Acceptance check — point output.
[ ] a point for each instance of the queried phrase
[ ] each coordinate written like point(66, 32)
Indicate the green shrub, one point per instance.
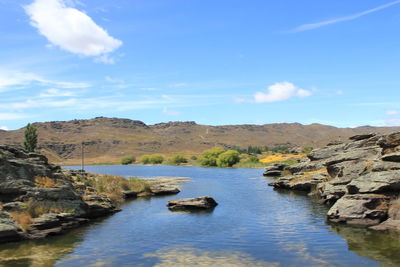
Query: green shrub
point(178, 159)
point(128, 160)
point(152, 159)
point(210, 156)
point(307, 150)
point(193, 158)
point(228, 158)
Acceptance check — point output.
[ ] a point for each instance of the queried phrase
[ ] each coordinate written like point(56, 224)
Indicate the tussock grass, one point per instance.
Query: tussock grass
point(24, 219)
point(114, 186)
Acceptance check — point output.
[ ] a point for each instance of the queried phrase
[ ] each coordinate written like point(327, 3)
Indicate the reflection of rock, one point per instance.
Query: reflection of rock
point(378, 246)
point(184, 256)
point(198, 203)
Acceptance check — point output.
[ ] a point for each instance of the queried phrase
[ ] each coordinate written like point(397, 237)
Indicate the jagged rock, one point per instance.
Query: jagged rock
point(305, 167)
point(362, 136)
point(9, 230)
point(394, 157)
point(375, 182)
point(130, 194)
point(334, 143)
point(274, 170)
point(159, 190)
point(298, 182)
point(360, 209)
point(390, 140)
point(199, 203)
point(99, 205)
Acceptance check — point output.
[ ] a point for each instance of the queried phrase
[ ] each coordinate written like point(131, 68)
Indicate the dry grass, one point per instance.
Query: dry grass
point(394, 210)
point(282, 157)
point(45, 182)
point(114, 186)
point(24, 219)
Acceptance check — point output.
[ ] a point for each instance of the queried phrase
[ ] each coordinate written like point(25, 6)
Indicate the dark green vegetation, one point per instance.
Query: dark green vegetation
point(31, 136)
point(152, 159)
point(128, 160)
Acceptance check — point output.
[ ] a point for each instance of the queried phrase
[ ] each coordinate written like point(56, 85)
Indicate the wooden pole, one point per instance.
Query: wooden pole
point(83, 157)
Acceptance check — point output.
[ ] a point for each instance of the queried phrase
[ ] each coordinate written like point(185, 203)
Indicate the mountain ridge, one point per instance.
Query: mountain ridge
point(106, 140)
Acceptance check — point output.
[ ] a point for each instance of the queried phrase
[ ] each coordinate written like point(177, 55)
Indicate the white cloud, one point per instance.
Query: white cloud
point(12, 116)
point(9, 80)
point(311, 26)
point(5, 128)
point(170, 112)
point(56, 93)
point(279, 92)
point(71, 29)
point(392, 112)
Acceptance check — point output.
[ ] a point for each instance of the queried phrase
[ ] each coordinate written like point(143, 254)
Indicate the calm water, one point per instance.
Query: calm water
point(252, 226)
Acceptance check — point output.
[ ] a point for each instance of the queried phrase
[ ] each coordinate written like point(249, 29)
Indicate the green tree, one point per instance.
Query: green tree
point(145, 159)
point(178, 159)
point(209, 157)
point(156, 159)
point(128, 160)
point(31, 136)
point(228, 158)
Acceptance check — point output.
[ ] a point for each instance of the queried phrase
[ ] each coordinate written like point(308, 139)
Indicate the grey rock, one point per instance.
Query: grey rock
point(375, 182)
point(362, 136)
point(394, 157)
point(360, 209)
point(198, 203)
point(159, 190)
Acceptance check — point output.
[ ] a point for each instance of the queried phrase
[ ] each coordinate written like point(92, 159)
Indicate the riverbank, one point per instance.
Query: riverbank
point(38, 199)
point(360, 179)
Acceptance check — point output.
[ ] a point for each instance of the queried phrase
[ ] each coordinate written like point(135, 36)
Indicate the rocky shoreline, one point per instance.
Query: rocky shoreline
point(38, 199)
point(360, 179)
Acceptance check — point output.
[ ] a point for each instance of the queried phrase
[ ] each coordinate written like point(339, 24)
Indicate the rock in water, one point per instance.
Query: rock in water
point(160, 190)
point(198, 203)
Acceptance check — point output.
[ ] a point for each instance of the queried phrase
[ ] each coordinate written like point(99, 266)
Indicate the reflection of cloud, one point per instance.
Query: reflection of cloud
point(184, 256)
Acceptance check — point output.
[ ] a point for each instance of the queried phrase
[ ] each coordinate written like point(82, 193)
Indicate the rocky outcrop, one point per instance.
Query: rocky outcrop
point(39, 199)
point(190, 204)
point(361, 179)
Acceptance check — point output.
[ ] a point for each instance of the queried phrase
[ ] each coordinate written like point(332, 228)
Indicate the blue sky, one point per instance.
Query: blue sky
point(214, 62)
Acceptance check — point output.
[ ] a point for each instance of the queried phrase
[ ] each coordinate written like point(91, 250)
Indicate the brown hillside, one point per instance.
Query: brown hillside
point(108, 139)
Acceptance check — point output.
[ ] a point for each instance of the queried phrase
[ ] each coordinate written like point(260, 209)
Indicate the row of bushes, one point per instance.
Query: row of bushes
point(156, 159)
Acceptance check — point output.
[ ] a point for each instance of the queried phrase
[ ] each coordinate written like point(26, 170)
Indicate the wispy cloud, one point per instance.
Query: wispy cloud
point(71, 29)
point(312, 26)
point(12, 116)
point(170, 112)
point(11, 80)
point(392, 112)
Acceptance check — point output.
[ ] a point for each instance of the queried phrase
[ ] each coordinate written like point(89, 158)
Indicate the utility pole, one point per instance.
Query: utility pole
point(83, 157)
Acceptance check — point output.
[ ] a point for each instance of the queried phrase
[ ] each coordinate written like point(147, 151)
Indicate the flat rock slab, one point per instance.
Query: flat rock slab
point(198, 203)
point(160, 190)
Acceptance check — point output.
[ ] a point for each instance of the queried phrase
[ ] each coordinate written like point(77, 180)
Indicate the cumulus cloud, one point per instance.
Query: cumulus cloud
point(71, 29)
point(5, 128)
point(279, 92)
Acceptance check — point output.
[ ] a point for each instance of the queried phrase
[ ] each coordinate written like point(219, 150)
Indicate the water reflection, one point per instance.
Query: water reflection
point(186, 256)
point(39, 253)
point(380, 246)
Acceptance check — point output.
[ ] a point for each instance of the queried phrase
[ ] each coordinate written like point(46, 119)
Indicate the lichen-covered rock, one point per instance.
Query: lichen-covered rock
point(189, 204)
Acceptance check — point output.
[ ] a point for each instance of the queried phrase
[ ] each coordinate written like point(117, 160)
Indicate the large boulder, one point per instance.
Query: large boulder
point(376, 182)
point(160, 190)
point(9, 230)
point(274, 170)
point(198, 203)
point(360, 209)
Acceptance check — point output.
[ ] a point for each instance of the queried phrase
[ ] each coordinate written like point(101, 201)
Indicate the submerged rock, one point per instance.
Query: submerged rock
point(198, 203)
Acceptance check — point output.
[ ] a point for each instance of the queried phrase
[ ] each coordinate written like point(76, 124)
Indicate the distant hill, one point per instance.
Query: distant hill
point(108, 139)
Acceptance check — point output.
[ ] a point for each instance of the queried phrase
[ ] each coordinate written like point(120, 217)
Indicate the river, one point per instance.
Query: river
point(253, 225)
